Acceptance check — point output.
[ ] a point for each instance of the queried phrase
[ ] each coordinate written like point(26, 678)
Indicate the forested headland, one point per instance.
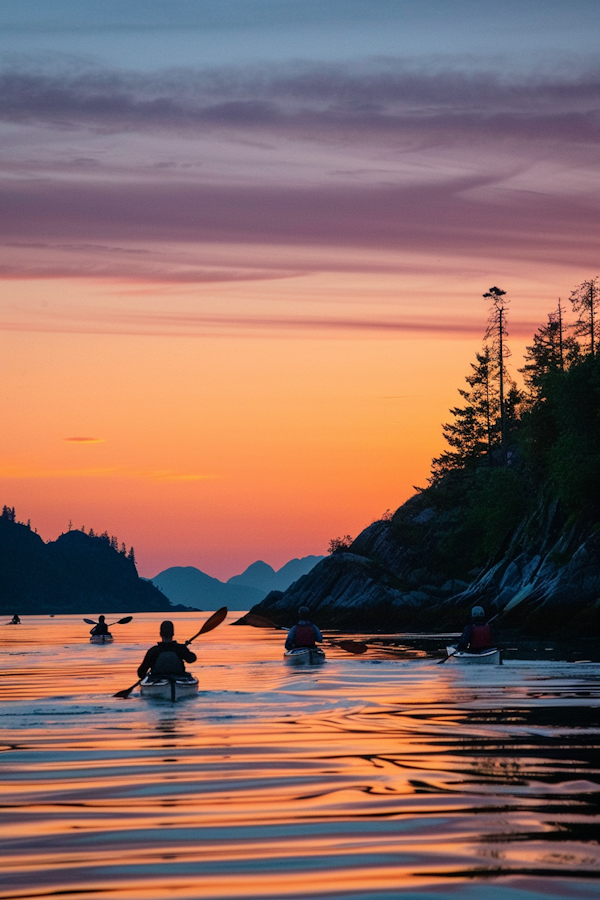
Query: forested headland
point(510, 516)
point(80, 572)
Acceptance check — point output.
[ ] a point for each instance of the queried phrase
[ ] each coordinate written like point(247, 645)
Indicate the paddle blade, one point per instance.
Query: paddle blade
point(258, 621)
point(90, 621)
point(356, 647)
point(211, 623)
point(214, 620)
point(125, 694)
point(124, 621)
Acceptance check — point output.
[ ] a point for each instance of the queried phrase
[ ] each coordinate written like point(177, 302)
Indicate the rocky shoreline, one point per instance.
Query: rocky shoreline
point(544, 580)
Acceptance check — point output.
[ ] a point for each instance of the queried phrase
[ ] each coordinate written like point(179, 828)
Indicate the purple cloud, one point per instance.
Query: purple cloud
point(370, 98)
point(439, 218)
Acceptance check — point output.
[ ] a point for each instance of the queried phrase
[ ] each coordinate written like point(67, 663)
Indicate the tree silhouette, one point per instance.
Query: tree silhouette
point(474, 431)
point(552, 351)
point(497, 333)
point(585, 300)
point(340, 544)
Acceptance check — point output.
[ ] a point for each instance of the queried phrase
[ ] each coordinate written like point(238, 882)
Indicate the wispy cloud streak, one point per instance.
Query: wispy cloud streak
point(447, 163)
point(373, 97)
point(447, 218)
point(197, 324)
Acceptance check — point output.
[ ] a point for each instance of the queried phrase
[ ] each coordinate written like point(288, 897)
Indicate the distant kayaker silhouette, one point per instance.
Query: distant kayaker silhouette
point(15, 620)
point(477, 635)
point(304, 634)
point(167, 657)
point(101, 627)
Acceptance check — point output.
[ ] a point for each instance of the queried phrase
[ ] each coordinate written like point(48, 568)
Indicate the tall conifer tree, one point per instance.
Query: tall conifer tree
point(552, 351)
point(586, 301)
point(473, 434)
point(497, 333)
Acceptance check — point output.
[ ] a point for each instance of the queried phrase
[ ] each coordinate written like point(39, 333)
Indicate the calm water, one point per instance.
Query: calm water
point(370, 777)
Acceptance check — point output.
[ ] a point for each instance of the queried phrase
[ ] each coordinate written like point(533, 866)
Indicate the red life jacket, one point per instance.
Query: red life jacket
point(304, 636)
point(481, 638)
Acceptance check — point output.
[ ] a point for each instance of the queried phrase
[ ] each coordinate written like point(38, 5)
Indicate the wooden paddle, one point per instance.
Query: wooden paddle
point(211, 623)
point(124, 621)
point(356, 647)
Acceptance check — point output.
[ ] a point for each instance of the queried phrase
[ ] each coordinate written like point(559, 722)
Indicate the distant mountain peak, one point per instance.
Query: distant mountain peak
point(262, 576)
point(257, 568)
point(190, 586)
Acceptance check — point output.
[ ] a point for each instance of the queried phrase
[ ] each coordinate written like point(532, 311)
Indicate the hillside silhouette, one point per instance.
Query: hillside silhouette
point(189, 585)
point(77, 573)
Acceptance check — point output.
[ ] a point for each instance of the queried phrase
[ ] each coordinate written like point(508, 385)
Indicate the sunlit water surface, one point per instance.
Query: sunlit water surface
point(369, 777)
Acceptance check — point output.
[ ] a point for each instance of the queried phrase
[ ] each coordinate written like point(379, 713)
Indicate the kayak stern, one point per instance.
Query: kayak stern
point(489, 657)
point(304, 656)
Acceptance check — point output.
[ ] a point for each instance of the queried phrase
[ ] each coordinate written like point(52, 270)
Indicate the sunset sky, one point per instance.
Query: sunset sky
point(244, 244)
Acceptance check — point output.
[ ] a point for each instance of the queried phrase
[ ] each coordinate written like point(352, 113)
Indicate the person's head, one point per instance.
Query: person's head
point(101, 619)
point(478, 614)
point(304, 612)
point(167, 630)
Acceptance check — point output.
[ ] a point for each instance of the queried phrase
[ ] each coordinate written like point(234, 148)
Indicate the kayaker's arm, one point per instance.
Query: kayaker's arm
point(187, 655)
point(290, 639)
point(318, 635)
point(465, 639)
point(148, 662)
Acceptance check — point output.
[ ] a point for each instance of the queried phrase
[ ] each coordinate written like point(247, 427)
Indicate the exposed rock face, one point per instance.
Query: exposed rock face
point(548, 580)
point(408, 574)
point(387, 579)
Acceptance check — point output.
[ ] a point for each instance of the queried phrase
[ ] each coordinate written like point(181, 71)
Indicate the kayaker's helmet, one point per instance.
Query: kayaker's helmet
point(167, 629)
point(304, 612)
point(478, 612)
point(101, 619)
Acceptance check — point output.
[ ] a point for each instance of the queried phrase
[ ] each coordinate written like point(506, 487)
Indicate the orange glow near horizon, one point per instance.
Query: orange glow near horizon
point(225, 444)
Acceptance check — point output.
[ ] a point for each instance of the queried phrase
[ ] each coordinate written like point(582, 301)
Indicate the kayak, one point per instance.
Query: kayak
point(304, 656)
point(101, 639)
point(169, 687)
point(489, 657)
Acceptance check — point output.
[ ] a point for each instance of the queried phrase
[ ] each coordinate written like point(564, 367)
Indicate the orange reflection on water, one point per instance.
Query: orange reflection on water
point(365, 776)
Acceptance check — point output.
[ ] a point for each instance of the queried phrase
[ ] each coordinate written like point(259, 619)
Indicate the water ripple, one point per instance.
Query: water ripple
point(363, 779)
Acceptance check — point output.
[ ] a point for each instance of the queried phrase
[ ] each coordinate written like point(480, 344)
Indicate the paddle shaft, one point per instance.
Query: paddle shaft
point(355, 647)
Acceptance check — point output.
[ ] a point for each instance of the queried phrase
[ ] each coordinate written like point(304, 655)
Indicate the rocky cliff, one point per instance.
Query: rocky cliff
point(427, 566)
point(511, 517)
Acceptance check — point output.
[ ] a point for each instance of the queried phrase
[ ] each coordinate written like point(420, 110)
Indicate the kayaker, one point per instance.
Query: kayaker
point(304, 634)
point(101, 627)
point(167, 657)
point(477, 635)
point(15, 620)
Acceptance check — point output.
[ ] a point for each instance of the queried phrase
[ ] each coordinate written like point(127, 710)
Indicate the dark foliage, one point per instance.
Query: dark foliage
point(560, 435)
point(77, 573)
